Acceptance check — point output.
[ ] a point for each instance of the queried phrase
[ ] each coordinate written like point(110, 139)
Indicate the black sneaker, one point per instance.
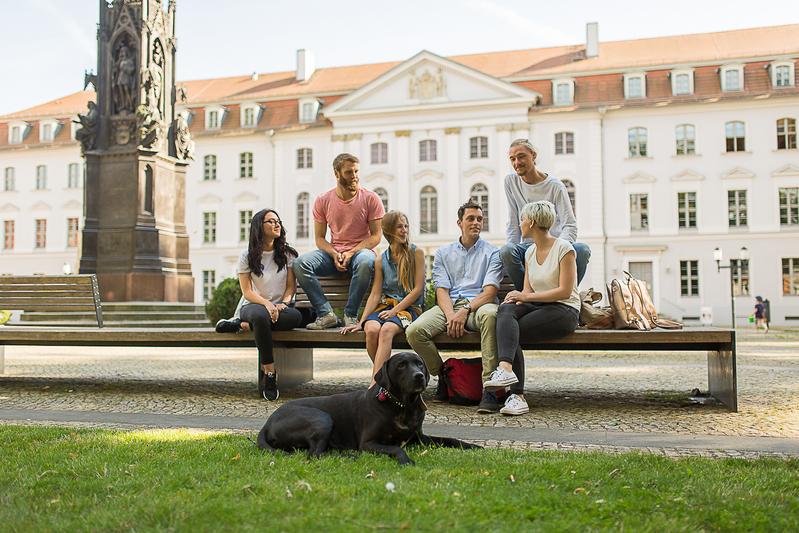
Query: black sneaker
point(442, 394)
point(228, 326)
point(269, 389)
point(489, 404)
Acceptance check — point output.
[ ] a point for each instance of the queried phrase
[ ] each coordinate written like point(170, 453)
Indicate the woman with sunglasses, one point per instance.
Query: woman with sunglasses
point(267, 286)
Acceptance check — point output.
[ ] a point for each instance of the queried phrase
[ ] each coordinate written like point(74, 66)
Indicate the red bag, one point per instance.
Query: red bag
point(464, 380)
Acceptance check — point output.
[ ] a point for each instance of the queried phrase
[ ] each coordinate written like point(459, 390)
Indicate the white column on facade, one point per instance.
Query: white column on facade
point(450, 199)
point(403, 178)
point(590, 227)
point(497, 202)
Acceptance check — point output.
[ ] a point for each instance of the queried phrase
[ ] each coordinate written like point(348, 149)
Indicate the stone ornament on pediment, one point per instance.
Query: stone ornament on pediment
point(245, 197)
point(426, 86)
point(482, 171)
point(375, 176)
point(9, 208)
point(121, 131)
point(73, 205)
point(688, 175)
point(428, 173)
point(209, 199)
point(787, 171)
point(41, 206)
point(738, 173)
point(639, 177)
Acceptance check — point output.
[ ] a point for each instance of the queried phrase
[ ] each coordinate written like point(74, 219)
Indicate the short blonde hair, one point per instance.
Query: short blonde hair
point(524, 142)
point(540, 214)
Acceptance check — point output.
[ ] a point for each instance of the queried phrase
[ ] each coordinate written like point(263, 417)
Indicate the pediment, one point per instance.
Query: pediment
point(428, 173)
point(481, 171)
point(738, 173)
point(9, 208)
point(41, 206)
point(427, 80)
point(245, 196)
point(688, 175)
point(72, 205)
point(639, 177)
point(374, 176)
point(209, 199)
point(787, 171)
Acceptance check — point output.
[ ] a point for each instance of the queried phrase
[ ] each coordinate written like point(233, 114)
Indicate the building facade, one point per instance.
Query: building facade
point(670, 148)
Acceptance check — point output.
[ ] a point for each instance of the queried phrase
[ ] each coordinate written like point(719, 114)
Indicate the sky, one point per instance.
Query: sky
point(47, 44)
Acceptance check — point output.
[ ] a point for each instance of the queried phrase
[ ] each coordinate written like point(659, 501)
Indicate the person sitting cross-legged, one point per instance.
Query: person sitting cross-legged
point(546, 308)
point(466, 274)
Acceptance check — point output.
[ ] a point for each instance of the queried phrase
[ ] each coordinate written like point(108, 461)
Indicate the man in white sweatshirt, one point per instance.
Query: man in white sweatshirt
point(528, 184)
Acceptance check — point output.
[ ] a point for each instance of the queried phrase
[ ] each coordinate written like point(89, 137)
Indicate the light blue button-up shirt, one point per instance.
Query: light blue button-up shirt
point(465, 272)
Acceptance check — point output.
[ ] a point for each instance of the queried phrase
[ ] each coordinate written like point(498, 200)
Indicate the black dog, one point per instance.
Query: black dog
point(380, 419)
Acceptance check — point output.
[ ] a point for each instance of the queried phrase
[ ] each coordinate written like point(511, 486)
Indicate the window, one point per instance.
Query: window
point(428, 209)
point(735, 133)
point(16, 135)
point(790, 276)
point(428, 150)
point(245, 165)
point(209, 283)
point(244, 225)
point(682, 83)
point(689, 278)
point(41, 177)
point(47, 133)
point(789, 206)
point(740, 277)
point(249, 117)
point(72, 232)
point(383, 195)
point(305, 158)
point(479, 195)
point(478, 148)
point(303, 212)
point(73, 173)
point(686, 209)
point(308, 111)
point(685, 134)
point(782, 74)
point(379, 153)
point(563, 91)
point(213, 120)
point(736, 208)
point(209, 227)
point(636, 138)
point(564, 142)
point(732, 79)
point(209, 168)
point(639, 212)
point(41, 233)
point(570, 190)
point(634, 86)
point(8, 179)
point(786, 133)
point(8, 235)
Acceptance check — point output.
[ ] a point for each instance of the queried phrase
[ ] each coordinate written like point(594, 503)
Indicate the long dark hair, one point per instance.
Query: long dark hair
point(256, 246)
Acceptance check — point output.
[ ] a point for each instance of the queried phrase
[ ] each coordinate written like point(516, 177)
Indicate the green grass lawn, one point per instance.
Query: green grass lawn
point(74, 480)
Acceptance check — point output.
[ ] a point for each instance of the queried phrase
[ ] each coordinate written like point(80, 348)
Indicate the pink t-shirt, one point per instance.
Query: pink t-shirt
point(348, 221)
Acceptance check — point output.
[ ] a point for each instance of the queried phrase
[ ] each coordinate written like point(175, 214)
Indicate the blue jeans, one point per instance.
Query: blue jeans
point(513, 261)
point(308, 267)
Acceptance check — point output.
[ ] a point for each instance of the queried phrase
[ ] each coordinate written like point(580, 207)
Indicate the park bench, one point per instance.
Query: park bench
point(53, 294)
point(294, 349)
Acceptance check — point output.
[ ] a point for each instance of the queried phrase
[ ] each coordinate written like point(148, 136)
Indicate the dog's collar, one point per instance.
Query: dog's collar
point(383, 395)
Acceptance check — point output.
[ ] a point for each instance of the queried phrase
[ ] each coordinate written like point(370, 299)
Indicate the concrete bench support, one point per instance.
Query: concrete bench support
point(294, 366)
point(721, 377)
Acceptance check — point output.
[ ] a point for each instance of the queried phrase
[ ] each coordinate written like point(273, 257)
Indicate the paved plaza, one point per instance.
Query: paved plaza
point(578, 400)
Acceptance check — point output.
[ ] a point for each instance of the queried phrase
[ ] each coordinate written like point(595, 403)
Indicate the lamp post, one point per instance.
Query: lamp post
point(743, 255)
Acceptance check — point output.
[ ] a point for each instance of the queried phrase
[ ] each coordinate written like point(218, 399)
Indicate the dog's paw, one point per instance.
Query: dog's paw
point(470, 446)
point(405, 461)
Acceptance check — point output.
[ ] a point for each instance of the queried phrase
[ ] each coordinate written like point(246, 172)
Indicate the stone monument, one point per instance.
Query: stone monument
point(136, 149)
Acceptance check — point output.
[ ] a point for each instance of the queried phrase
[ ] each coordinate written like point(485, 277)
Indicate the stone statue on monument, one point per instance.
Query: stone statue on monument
point(87, 134)
point(124, 82)
point(184, 145)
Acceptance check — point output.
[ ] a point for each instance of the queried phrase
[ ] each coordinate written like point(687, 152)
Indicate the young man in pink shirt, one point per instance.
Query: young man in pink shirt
point(353, 215)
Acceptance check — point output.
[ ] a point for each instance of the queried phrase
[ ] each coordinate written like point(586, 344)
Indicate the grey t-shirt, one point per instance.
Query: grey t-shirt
point(519, 193)
point(271, 284)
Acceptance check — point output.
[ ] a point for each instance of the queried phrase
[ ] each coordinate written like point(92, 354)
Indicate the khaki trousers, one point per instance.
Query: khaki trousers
point(433, 322)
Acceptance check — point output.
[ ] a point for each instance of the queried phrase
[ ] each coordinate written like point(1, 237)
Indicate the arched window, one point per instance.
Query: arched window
point(564, 143)
point(636, 138)
point(685, 135)
point(383, 195)
point(786, 133)
point(478, 148)
point(303, 212)
point(305, 158)
point(245, 165)
point(428, 150)
point(735, 134)
point(209, 168)
point(479, 195)
point(379, 153)
point(428, 210)
point(570, 191)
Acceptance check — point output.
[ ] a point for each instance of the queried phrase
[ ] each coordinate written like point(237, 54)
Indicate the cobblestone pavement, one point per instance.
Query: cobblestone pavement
point(568, 391)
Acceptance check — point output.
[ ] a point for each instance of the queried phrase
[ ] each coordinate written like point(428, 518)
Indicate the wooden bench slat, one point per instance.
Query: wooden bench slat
point(53, 308)
point(84, 279)
point(42, 294)
point(9, 303)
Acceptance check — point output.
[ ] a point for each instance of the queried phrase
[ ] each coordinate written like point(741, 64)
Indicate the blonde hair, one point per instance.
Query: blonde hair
point(524, 142)
point(406, 264)
point(541, 214)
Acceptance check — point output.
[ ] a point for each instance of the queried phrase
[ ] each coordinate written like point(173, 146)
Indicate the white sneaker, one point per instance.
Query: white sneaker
point(515, 405)
point(350, 320)
point(500, 378)
point(329, 320)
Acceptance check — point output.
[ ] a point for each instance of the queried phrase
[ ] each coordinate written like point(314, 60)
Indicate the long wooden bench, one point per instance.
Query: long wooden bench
point(294, 349)
point(55, 294)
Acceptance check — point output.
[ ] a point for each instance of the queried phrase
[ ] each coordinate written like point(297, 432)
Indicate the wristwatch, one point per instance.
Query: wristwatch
point(468, 307)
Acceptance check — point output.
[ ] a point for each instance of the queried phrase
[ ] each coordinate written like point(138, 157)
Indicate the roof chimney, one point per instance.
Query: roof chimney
point(305, 65)
point(592, 39)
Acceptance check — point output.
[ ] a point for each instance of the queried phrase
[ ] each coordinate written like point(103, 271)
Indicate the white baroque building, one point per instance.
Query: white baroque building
point(672, 147)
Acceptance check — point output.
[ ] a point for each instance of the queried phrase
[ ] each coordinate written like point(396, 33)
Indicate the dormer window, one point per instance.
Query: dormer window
point(782, 74)
point(732, 78)
point(309, 109)
point(682, 82)
point(16, 135)
point(250, 114)
point(634, 86)
point(563, 91)
point(214, 116)
point(47, 130)
point(17, 132)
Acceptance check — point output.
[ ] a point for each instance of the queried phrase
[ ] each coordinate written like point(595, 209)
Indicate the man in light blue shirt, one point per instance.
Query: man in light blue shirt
point(466, 275)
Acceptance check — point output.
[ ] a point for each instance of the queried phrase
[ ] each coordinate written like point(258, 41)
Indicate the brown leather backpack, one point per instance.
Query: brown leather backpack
point(632, 306)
